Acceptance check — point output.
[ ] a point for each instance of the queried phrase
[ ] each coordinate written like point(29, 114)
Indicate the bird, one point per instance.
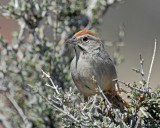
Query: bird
point(91, 60)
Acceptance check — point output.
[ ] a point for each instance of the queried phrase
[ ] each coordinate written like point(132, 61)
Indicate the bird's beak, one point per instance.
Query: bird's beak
point(72, 41)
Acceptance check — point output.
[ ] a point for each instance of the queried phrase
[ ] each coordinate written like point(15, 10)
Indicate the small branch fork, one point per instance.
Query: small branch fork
point(142, 69)
point(53, 85)
point(130, 86)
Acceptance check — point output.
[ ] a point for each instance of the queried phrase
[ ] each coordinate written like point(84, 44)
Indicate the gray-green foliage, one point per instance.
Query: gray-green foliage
point(44, 25)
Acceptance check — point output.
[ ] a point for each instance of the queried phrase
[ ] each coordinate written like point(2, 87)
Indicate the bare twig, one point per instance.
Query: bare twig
point(54, 101)
point(130, 86)
point(150, 70)
point(143, 112)
point(136, 70)
point(50, 86)
point(49, 77)
point(142, 70)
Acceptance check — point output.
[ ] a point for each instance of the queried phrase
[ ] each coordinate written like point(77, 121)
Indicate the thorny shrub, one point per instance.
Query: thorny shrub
point(32, 98)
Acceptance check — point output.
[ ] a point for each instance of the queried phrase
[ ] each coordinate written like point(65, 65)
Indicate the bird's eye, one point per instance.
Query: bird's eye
point(85, 39)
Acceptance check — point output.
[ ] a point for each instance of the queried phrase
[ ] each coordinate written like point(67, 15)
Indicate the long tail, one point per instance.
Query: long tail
point(117, 101)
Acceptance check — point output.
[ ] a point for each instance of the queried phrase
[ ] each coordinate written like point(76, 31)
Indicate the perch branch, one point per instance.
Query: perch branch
point(130, 86)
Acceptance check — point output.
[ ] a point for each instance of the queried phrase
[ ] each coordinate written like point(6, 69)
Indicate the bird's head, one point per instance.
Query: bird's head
point(85, 40)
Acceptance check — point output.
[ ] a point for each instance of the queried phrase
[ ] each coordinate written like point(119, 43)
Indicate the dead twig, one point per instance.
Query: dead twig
point(130, 86)
point(150, 70)
point(142, 69)
point(53, 85)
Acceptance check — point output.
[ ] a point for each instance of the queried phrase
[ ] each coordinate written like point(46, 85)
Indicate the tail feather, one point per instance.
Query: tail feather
point(117, 101)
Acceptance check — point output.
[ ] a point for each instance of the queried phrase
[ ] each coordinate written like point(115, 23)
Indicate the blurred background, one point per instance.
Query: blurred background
point(141, 20)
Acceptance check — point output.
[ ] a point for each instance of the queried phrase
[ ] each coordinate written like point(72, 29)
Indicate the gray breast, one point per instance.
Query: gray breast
point(89, 65)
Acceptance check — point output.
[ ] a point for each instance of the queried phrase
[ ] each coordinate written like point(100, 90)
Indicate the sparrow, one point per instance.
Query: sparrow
point(92, 60)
